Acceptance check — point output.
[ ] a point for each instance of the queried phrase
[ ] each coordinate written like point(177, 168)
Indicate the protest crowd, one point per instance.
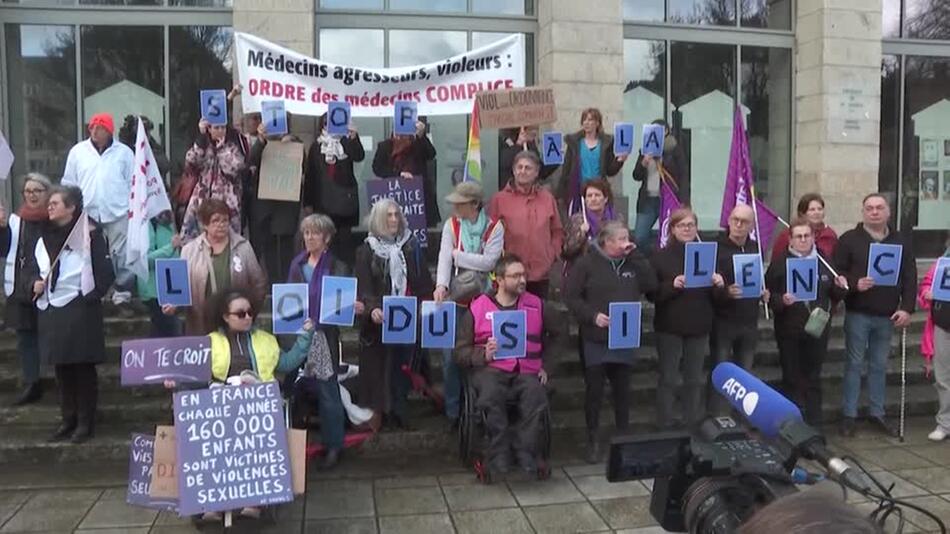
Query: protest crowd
point(551, 233)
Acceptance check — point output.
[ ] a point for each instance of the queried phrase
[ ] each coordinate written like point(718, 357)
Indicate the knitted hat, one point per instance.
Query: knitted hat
point(104, 120)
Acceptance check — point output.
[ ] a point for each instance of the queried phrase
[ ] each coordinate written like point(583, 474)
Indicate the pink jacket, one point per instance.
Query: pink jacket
point(927, 338)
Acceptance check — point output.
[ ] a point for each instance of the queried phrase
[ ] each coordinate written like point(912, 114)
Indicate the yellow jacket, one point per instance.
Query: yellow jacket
point(265, 354)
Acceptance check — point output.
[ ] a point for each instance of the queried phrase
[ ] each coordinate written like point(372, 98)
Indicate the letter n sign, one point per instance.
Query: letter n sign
point(399, 320)
point(171, 281)
point(624, 332)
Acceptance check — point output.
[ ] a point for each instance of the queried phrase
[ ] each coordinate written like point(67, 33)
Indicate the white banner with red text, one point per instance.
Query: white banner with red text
point(306, 85)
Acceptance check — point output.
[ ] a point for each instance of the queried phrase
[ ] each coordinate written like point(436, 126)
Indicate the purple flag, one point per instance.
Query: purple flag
point(740, 187)
point(668, 203)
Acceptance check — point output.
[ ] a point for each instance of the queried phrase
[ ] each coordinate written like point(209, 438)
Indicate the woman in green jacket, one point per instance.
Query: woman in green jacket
point(163, 243)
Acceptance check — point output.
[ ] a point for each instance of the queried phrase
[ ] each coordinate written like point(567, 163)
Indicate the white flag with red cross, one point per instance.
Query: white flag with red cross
point(147, 199)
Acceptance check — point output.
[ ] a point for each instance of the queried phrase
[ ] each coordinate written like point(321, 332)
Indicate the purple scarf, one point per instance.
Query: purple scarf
point(315, 285)
point(594, 223)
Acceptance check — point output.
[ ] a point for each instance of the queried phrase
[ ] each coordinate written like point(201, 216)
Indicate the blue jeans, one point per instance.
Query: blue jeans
point(645, 221)
point(28, 346)
point(453, 384)
point(330, 408)
point(867, 339)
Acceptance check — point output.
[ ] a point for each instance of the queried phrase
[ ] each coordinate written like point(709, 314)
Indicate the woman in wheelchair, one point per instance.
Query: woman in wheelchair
point(496, 382)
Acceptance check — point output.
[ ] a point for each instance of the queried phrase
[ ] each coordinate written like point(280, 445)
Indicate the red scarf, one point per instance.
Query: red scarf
point(39, 213)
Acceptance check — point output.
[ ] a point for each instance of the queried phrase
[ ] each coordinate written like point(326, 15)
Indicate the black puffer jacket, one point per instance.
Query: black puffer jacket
point(683, 312)
point(20, 311)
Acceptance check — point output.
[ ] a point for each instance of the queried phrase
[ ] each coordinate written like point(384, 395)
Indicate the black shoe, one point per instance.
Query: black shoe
point(400, 423)
point(452, 425)
point(63, 433)
point(82, 434)
point(331, 460)
point(847, 427)
point(884, 426)
point(592, 454)
point(31, 394)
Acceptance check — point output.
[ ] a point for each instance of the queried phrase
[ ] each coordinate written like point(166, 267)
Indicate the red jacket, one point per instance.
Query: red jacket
point(533, 229)
point(826, 240)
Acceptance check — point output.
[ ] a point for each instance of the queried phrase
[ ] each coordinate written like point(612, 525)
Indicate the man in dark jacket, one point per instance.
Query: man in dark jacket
point(647, 172)
point(517, 140)
point(735, 327)
point(872, 311)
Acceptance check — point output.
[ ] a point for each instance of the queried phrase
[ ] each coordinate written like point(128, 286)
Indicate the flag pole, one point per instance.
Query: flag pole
point(820, 257)
point(755, 215)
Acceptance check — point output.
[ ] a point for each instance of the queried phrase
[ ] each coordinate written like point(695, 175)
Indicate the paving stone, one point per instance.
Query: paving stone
point(416, 524)
point(628, 512)
point(480, 497)
point(341, 526)
point(643, 530)
point(508, 520)
point(572, 517)
point(340, 499)
point(406, 482)
point(140, 530)
point(938, 453)
point(114, 513)
point(185, 529)
point(597, 487)
point(902, 488)
point(894, 458)
point(170, 519)
point(401, 501)
point(459, 479)
point(555, 490)
point(11, 498)
point(58, 511)
point(580, 470)
point(932, 479)
point(7, 511)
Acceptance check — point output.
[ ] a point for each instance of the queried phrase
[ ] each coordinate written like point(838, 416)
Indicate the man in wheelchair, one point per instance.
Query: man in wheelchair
point(498, 382)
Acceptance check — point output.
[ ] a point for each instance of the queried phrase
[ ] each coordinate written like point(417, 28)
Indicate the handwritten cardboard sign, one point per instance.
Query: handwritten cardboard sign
point(281, 168)
point(152, 361)
point(232, 448)
point(510, 108)
point(410, 195)
point(165, 467)
point(141, 453)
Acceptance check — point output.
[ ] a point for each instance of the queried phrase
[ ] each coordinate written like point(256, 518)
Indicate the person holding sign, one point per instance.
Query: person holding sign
point(497, 380)
point(322, 365)
point(611, 270)
point(589, 156)
point(330, 183)
point(471, 244)
point(873, 311)
point(800, 332)
point(218, 260)
point(18, 235)
point(516, 140)
point(533, 227)
point(390, 262)
point(736, 325)
point(68, 273)
point(812, 207)
point(682, 322)
point(648, 171)
point(163, 243)
point(934, 296)
point(408, 156)
point(584, 226)
point(218, 165)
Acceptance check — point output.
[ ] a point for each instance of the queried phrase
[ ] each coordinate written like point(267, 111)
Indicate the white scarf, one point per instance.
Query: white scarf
point(331, 148)
point(391, 251)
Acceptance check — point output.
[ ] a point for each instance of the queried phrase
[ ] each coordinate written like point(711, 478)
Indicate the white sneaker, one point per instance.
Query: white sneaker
point(121, 297)
point(937, 435)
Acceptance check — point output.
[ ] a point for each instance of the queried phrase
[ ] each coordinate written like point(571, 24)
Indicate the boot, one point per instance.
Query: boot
point(331, 460)
point(31, 394)
point(592, 453)
point(65, 430)
point(83, 433)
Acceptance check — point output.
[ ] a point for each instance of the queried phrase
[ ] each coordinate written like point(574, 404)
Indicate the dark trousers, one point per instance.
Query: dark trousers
point(689, 352)
point(162, 325)
point(275, 252)
point(539, 288)
point(383, 384)
point(801, 357)
point(734, 343)
point(398, 382)
point(343, 245)
point(78, 393)
point(493, 389)
point(28, 346)
point(330, 409)
point(619, 376)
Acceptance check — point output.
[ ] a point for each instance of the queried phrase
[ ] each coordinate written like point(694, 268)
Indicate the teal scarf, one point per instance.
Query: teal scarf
point(470, 233)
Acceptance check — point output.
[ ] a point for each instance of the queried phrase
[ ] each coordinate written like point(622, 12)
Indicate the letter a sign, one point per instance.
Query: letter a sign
point(399, 320)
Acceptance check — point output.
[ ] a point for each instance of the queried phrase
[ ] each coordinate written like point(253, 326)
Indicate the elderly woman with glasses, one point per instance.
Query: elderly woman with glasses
point(682, 322)
point(802, 350)
point(18, 234)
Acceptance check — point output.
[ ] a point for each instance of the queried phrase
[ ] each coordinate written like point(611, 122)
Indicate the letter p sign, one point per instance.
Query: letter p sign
point(406, 115)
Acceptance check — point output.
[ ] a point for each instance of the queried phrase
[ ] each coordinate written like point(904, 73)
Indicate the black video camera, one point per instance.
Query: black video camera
point(707, 481)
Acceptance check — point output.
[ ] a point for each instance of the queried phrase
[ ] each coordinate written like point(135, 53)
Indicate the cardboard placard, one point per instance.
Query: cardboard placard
point(297, 443)
point(281, 169)
point(152, 361)
point(409, 193)
point(165, 464)
point(511, 108)
point(141, 453)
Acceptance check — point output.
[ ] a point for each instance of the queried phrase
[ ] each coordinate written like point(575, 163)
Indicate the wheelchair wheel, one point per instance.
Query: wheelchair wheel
point(544, 440)
point(468, 423)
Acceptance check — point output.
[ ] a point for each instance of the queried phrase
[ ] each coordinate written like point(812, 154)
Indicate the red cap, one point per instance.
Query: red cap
point(104, 120)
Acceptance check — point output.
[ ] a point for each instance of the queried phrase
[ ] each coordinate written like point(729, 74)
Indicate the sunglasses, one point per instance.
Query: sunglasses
point(242, 314)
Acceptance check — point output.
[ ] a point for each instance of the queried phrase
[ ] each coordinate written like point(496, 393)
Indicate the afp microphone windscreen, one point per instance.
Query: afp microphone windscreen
point(764, 408)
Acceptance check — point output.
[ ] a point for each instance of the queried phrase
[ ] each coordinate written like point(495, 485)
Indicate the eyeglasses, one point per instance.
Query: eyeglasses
point(37, 191)
point(740, 222)
point(801, 237)
point(219, 222)
point(242, 314)
point(685, 225)
point(516, 276)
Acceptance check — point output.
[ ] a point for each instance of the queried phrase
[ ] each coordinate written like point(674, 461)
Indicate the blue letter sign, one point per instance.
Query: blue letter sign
point(748, 274)
point(438, 325)
point(653, 135)
point(171, 277)
point(700, 264)
point(552, 148)
point(399, 320)
point(290, 306)
point(337, 297)
point(884, 263)
point(624, 331)
point(941, 285)
point(405, 117)
point(510, 330)
point(801, 278)
point(338, 118)
point(214, 106)
point(623, 138)
point(274, 117)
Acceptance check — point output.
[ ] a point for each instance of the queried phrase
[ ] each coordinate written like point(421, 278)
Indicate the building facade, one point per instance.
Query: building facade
point(843, 97)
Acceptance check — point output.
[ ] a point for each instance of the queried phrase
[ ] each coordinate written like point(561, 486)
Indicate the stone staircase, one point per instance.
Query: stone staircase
point(139, 409)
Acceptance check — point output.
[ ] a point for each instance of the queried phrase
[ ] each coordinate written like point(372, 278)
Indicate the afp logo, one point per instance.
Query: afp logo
point(736, 391)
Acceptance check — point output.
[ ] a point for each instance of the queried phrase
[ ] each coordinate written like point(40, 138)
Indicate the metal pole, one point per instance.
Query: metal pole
point(903, 381)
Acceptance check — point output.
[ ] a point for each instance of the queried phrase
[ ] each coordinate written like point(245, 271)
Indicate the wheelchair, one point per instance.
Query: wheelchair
point(473, 437)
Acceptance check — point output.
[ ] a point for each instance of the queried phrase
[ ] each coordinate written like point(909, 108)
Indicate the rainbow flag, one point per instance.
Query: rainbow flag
point(473, 158)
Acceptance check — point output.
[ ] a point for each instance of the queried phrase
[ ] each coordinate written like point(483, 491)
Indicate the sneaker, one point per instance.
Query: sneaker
point(884, 426)
point(937, 435)
point(847, 427)
point(121, 297)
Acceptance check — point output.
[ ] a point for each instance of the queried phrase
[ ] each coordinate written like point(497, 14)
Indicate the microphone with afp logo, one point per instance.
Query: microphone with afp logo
point(776, 417)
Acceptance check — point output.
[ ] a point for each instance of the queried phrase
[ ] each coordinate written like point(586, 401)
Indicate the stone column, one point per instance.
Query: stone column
point(289, 23)
point(838, 86)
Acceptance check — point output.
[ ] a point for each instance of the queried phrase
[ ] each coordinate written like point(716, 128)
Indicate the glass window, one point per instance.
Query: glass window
point(122, 2)
point(490, 139)
point(428, 5)
point(351, 4)
point(502, 7)
point(41, 69)
point(41, 2)
point(644, 100)
point(702, 91)
point(925, 188)
point(714, 12)
point(926, 19)
point(199, 58)
point(766, 100)
point(890, 128)
point(200, 3)
point(773, 14)
point(891, 18)
point(651, 10)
